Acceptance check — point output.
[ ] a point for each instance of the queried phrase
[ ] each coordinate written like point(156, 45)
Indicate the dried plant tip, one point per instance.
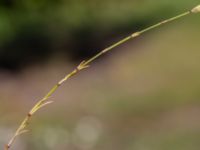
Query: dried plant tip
point(196, 9)
point(7, 147)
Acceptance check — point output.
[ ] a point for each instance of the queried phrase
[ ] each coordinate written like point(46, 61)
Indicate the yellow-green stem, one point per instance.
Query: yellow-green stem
point(44, 101)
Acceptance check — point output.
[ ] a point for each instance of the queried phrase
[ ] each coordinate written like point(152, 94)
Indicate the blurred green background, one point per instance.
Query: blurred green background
point(144, 95)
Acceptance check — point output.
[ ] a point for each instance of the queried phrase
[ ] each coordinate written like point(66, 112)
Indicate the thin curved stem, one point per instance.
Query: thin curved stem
point(83, 65)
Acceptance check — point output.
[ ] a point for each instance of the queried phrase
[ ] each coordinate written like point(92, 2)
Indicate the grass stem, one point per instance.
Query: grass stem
point(83, 65)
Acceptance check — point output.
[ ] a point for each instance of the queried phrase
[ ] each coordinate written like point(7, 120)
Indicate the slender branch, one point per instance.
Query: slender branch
point(83, 65)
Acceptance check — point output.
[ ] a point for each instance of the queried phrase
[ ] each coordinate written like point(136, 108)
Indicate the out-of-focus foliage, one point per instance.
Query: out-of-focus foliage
point(70, 14)
point(34, 29)
point(144, 97)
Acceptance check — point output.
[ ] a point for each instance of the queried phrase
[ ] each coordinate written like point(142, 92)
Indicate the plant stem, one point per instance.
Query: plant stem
point(83, 65)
